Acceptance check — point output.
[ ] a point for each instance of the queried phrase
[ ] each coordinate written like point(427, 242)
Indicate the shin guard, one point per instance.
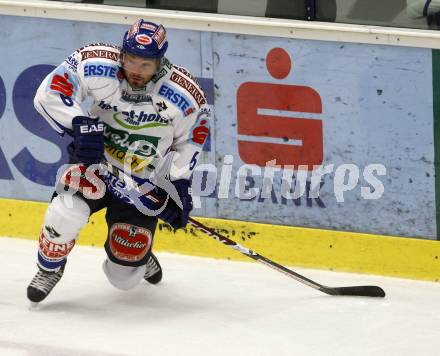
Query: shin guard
point(63, 221)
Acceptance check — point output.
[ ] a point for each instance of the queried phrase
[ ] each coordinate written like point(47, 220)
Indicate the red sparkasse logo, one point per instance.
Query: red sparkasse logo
point(254, 128)
point(200, 133)
point(62, 84)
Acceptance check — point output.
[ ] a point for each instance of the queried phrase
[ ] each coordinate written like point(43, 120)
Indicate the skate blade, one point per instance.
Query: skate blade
point(34, 305)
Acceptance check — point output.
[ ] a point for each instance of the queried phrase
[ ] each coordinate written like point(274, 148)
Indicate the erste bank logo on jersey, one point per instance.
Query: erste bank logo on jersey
point(178, 98)
point(98, 69)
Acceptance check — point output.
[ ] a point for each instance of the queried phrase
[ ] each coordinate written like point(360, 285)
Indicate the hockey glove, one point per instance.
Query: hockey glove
point(88, 140)
point(172, 214)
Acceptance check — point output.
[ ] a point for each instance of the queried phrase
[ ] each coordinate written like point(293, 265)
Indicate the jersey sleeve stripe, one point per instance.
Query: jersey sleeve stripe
point(52, 122)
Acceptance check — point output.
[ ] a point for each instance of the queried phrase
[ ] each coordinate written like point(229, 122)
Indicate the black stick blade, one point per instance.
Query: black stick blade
point(360, 291)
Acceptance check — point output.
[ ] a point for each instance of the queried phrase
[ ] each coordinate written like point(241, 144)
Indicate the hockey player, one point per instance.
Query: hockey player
point(145, 111)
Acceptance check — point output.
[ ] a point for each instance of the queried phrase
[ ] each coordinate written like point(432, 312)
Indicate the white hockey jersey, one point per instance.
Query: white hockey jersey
point(140, 126)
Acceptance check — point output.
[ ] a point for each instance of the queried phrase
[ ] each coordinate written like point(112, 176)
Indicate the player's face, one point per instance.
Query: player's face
point(138, 70)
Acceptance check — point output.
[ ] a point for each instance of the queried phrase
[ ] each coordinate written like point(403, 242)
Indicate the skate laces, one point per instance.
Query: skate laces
point(151, 267)
point(45, 281)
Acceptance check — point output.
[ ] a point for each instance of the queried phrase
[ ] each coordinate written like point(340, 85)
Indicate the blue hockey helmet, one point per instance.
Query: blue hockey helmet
point(145, 39)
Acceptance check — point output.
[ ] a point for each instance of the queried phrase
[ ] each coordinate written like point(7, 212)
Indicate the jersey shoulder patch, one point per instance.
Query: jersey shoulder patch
point(177, 97)
point(183, 78)
point(100, 51)
point(101, 69)
point(186, 73)
point(99, 60)
point(180, 86)
point(95, 52)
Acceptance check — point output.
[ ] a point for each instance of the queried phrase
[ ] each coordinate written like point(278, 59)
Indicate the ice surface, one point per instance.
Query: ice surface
point(209, 307)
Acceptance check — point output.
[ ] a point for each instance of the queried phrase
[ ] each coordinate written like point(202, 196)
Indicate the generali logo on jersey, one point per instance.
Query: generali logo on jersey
point(277, 121)
point(190, 87)
point(100, 53)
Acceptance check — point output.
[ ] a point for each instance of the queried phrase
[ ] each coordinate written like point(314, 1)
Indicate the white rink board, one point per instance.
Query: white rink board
point(209, 307)
point(377, 107)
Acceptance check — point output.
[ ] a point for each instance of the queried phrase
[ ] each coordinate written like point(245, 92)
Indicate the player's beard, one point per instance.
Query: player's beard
point(137, 81)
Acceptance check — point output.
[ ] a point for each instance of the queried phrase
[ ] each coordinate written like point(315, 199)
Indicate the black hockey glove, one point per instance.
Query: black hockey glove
point(172, 214)
point(88, 140)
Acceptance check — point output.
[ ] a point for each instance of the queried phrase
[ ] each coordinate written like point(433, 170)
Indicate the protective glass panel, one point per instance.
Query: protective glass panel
point(419, 14)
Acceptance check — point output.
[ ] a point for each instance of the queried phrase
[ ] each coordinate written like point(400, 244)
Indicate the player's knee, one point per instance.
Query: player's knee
point(123, 277)
point(129, 243)
point(64, 218)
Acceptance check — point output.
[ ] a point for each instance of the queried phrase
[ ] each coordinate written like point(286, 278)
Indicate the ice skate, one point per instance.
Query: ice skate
point(42, 284)
point(153, 273)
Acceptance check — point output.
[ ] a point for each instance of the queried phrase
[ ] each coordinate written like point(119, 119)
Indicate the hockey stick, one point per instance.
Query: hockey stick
point(361, 291)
